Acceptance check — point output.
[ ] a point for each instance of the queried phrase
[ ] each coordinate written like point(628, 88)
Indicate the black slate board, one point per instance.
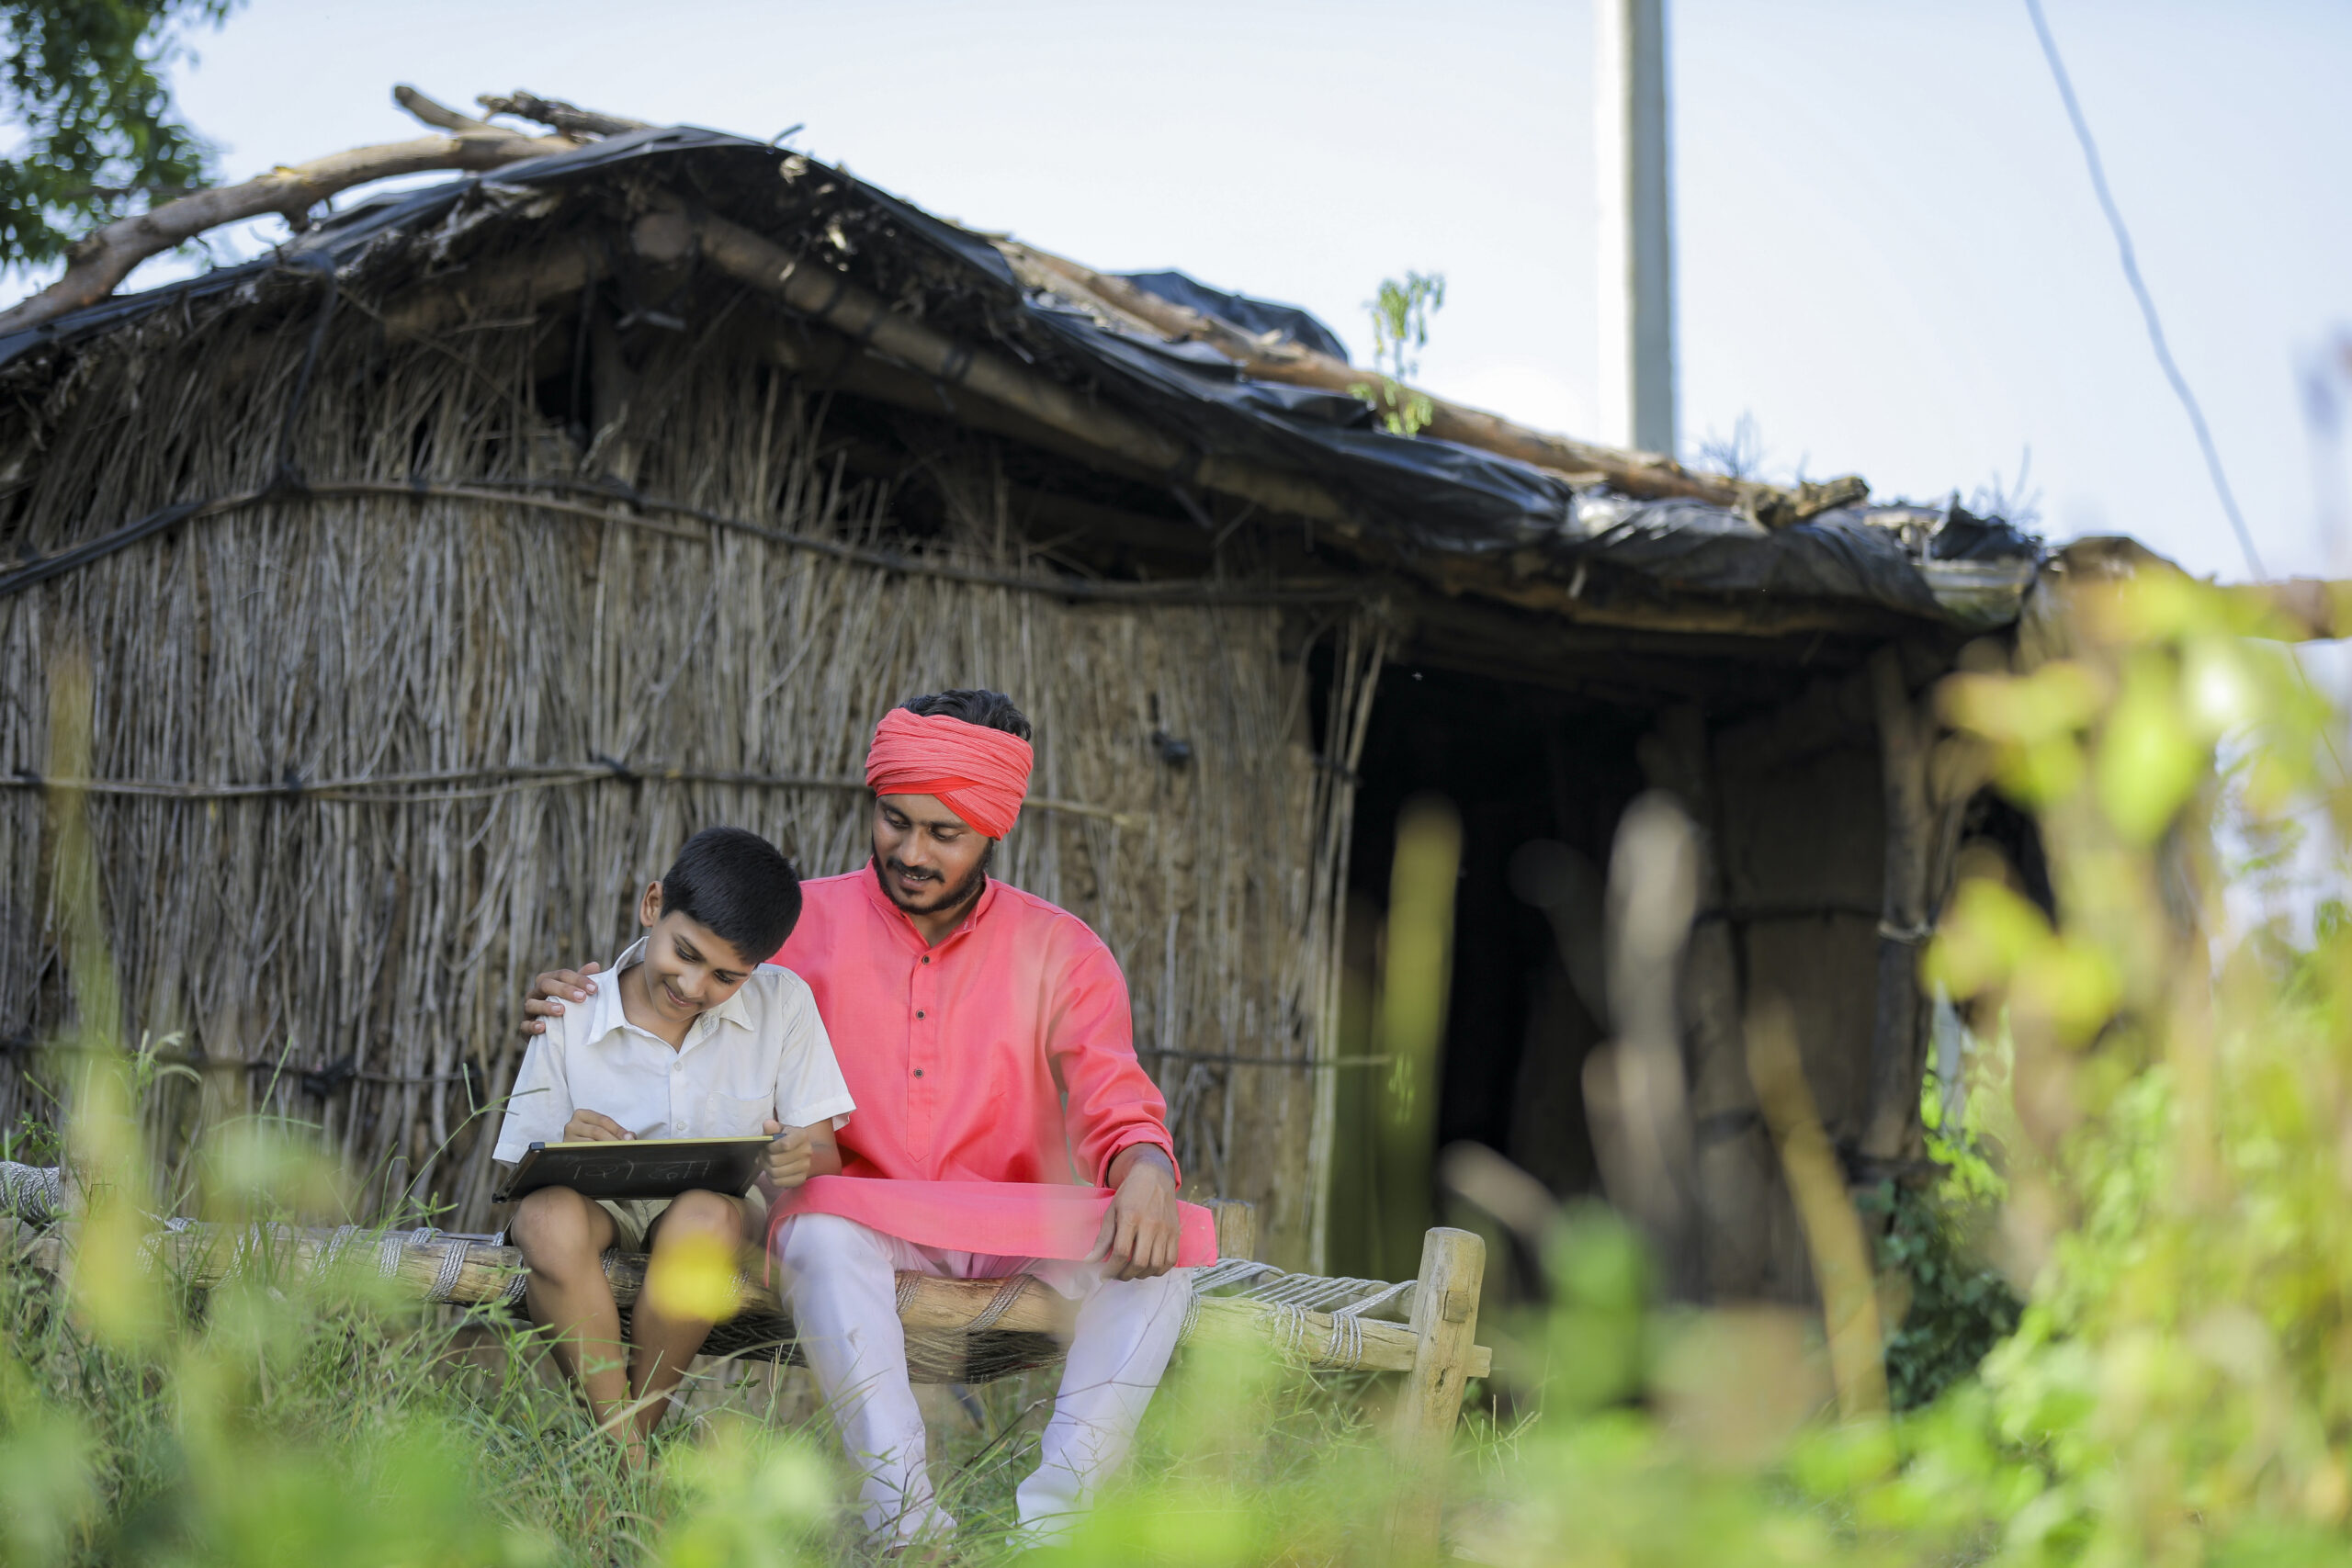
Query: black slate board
point(639, 1168)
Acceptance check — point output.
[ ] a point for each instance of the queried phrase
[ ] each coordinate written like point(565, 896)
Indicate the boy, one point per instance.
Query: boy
point(696, 1038)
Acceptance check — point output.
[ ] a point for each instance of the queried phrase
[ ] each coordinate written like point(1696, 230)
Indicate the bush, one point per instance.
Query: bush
point(1956, 1306)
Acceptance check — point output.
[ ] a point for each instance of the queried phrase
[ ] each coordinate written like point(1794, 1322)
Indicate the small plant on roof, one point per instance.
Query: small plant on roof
point(1400, 330)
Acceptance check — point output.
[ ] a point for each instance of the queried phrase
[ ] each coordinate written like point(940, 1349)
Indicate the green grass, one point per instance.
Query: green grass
point(276, 1421)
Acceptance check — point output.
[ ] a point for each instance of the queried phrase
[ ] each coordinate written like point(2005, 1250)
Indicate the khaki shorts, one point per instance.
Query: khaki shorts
point(633, 1218)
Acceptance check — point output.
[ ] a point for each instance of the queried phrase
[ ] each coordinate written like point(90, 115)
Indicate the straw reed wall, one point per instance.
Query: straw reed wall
point(443, 710)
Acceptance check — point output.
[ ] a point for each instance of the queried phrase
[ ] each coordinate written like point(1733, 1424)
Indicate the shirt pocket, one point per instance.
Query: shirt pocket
point(733, 1116)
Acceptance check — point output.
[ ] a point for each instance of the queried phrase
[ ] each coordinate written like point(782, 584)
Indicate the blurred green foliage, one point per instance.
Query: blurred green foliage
point(95, 134)
point(2158, 1153)
point(1410, 1027)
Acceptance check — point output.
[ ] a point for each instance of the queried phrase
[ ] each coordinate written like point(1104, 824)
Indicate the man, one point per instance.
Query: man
point(985, 1037)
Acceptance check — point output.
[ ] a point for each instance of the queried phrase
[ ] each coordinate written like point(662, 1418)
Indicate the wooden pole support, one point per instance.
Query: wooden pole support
point(1445, 1332)
point(1237, 1227)
point(1899, 1023)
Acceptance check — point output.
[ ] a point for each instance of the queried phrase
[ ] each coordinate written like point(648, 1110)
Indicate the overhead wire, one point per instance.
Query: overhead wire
point(2140, 288)
point(2156, 331)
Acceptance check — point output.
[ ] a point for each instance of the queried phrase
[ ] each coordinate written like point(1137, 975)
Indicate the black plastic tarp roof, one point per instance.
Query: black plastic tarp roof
point(1422, 495)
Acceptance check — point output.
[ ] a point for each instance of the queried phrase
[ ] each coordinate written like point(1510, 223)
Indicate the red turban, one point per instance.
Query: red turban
point(980, 773)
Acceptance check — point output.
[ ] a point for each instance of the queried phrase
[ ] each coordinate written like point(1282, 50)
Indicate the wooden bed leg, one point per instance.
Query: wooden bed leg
point(1445, 1329)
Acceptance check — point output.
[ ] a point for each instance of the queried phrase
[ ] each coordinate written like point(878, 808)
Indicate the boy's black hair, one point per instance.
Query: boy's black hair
point(740, 885)
point(992, 710)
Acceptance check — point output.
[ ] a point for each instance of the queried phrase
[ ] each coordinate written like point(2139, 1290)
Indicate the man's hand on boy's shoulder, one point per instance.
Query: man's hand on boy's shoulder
point(550, 990)
point(594, 1127)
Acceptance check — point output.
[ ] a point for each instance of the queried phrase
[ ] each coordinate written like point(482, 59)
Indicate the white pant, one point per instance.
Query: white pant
point(840, 1278)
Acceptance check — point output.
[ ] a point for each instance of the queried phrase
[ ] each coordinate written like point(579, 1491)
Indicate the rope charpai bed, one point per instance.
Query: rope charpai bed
point(957, 1330)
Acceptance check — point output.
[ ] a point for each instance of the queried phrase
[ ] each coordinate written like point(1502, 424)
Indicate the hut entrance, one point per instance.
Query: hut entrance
point(1540, 778)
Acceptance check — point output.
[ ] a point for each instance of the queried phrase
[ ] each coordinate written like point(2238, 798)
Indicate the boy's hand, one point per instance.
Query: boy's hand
point(548, 993)
point(1141, 1232)
point(790, 1157)
point(594, 1127)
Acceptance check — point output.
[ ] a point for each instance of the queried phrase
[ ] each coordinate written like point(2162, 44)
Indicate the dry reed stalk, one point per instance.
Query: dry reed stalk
point(1833, 1231)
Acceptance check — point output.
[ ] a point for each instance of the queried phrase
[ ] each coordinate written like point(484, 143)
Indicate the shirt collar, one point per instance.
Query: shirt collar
point(897, 918)
point(605, 1013)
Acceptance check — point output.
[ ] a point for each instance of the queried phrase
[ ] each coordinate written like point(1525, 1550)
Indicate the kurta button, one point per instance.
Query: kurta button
point(917, 1013)
point(918, 1072)
point(926, 958)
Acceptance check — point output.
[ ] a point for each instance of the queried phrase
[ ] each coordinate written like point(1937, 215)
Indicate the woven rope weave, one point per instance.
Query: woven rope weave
point(453, 1264)
point(34, 1193)
point(998, 1304)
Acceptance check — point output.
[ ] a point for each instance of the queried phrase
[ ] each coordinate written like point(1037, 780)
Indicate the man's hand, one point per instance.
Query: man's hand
point(1139, 1239)
point(550, 990)
point(594, 1127)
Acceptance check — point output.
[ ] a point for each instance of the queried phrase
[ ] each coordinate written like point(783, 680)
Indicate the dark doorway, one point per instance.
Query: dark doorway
point(1519, 764)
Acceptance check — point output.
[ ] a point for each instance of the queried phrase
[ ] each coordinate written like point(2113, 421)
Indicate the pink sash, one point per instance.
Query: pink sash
point(1006, 1219)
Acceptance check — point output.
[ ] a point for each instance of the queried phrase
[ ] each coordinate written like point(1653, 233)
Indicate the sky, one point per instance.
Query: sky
point(1889, 258)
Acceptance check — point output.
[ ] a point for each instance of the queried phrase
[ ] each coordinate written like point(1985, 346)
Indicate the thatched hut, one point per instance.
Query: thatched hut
point(437, 574)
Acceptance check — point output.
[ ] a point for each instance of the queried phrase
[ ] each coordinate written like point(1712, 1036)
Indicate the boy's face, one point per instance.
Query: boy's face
point(689, 968)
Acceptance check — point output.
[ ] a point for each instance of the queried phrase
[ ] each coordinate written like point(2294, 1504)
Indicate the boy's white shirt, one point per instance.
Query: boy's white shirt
point(761, 1054)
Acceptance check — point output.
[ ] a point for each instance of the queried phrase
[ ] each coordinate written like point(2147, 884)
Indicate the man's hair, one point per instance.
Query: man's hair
point(991, 710)
point(740, 885)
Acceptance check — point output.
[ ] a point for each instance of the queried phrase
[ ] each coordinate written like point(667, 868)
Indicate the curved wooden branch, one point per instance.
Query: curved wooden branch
point(2303, 609)
point(97, 264)
point(436, 113)
point(569, 118)
point(2290, 609)
point(1644, 474)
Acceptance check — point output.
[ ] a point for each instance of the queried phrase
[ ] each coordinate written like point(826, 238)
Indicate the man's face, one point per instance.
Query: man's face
point(689, 968)
point(928, 860)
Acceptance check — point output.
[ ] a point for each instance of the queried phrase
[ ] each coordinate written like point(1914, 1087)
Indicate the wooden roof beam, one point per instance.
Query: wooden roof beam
point(2300, 609)
point(1647, 474)
point(669, 231)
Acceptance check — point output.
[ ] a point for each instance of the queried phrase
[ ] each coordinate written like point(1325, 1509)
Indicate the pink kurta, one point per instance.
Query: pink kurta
point(959, 1056)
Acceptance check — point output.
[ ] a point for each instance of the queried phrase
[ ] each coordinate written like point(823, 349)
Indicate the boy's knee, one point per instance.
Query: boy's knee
point(552, 1225)
point(703, 1213)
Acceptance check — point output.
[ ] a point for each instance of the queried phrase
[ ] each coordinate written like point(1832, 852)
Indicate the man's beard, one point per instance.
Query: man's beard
point(960, 897)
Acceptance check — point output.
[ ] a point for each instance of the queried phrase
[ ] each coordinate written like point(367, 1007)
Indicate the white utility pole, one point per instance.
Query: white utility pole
point(1637, 226)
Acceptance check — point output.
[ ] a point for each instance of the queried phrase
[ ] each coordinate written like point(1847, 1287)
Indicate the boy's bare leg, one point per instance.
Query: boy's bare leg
point(563, 1238)
point(663, 1346)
